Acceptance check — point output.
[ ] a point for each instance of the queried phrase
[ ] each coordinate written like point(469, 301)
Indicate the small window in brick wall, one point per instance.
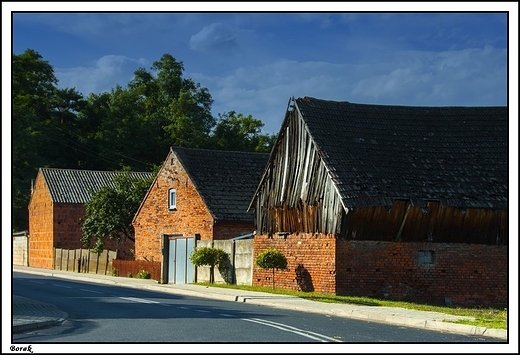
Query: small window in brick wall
point(172, 199)
point(426, 257)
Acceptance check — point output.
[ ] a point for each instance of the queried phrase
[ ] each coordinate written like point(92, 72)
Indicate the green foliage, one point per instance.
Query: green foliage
point(115, 272)
point(209, 256)
point(43, 131)
point(110, 211)
point(129, 274)
point(143, 274)
point(130, 126)
point(235, 131)
point(271, 259)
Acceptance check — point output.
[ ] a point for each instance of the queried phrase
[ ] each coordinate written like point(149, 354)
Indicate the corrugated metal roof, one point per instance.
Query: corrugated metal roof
point(226, 180)
point(379, 153)
point(76, 186)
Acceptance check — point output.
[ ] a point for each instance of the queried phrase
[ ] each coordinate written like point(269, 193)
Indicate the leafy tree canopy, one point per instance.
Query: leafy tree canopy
point(234, 131)
point(271, 259)
point(44, 131)
point(209, 256)
point(110, 211)
point(131, 126)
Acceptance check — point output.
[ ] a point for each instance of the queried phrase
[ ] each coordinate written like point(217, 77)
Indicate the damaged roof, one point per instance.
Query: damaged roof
point(376, 154)
point(226, 180)
point(76, 186)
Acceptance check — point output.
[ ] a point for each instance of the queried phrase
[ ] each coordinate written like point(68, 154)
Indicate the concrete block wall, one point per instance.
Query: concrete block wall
point(155, 219)
point(240, 254)
point(244, 262)
point(467, 274)
point(21, 250)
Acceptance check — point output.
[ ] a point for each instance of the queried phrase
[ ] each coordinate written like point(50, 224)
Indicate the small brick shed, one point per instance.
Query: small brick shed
point(396, 202)
point(56, 207)
point(211, 190)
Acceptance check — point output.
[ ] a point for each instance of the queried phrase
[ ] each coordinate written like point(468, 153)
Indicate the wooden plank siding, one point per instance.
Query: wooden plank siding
point(333, 185)
point(435, 223)
point(298, 193)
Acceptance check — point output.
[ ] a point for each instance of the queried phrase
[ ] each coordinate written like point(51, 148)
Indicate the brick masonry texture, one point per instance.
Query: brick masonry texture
point(58, 225)
point(312, 255)
point(191, 217)
point(468, 274)
point(155, 218)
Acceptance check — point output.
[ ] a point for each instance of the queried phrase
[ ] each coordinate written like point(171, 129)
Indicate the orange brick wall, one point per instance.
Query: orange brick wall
point(155, 219)
point(67, 225)
point(228, 230)
point(41, 226)
point(468, 274)
point(55, 225)
point(310, 262)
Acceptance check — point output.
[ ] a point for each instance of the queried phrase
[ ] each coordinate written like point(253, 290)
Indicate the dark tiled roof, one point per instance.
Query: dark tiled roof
point(226, 180)
point(75, 186)
point(377, 153)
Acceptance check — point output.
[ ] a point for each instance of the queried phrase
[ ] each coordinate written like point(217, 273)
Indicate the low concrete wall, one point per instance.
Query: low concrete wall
point(239, 269)
point(21, 249)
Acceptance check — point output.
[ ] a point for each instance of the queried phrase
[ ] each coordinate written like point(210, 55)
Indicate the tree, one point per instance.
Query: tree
point(271, 259)
point(110, 211)
point(209, 256)
point(234, 131)
point(44, 131)
point(159, 106)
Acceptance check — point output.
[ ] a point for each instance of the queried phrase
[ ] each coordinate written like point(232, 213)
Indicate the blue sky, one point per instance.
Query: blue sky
point(253, 57)
point(253, 62)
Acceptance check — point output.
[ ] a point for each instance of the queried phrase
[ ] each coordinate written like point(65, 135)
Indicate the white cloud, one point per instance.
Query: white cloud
point(104, 75)
point(474, 76)
point(214, 37)
point(469, 77)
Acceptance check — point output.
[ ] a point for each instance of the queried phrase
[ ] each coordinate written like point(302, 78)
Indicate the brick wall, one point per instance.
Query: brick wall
point(41, 226)
point(67, 225)
point(310, 262)
point(55, 225)
point(155, 219)
point(228, 230)
point(468, 274)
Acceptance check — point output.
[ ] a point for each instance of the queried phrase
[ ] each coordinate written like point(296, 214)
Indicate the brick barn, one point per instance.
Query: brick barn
point(197, 194)
point(405, 203)
point(56, 207)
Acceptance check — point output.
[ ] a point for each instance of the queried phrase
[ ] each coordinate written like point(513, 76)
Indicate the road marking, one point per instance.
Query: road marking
point(226, 315)
point(138, 300)
point(288, 328)
point(184, 307)
point(84, 289)
point(38, 282)
point(202, 311)
point(61, 286)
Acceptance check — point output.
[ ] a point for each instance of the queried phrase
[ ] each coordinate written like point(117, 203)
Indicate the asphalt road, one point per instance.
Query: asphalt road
point(106, 314)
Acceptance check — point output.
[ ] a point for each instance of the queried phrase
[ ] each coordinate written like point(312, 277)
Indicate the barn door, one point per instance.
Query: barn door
point(180, 269)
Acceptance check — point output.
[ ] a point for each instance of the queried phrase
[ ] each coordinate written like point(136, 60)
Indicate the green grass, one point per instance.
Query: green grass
point(495, 318)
